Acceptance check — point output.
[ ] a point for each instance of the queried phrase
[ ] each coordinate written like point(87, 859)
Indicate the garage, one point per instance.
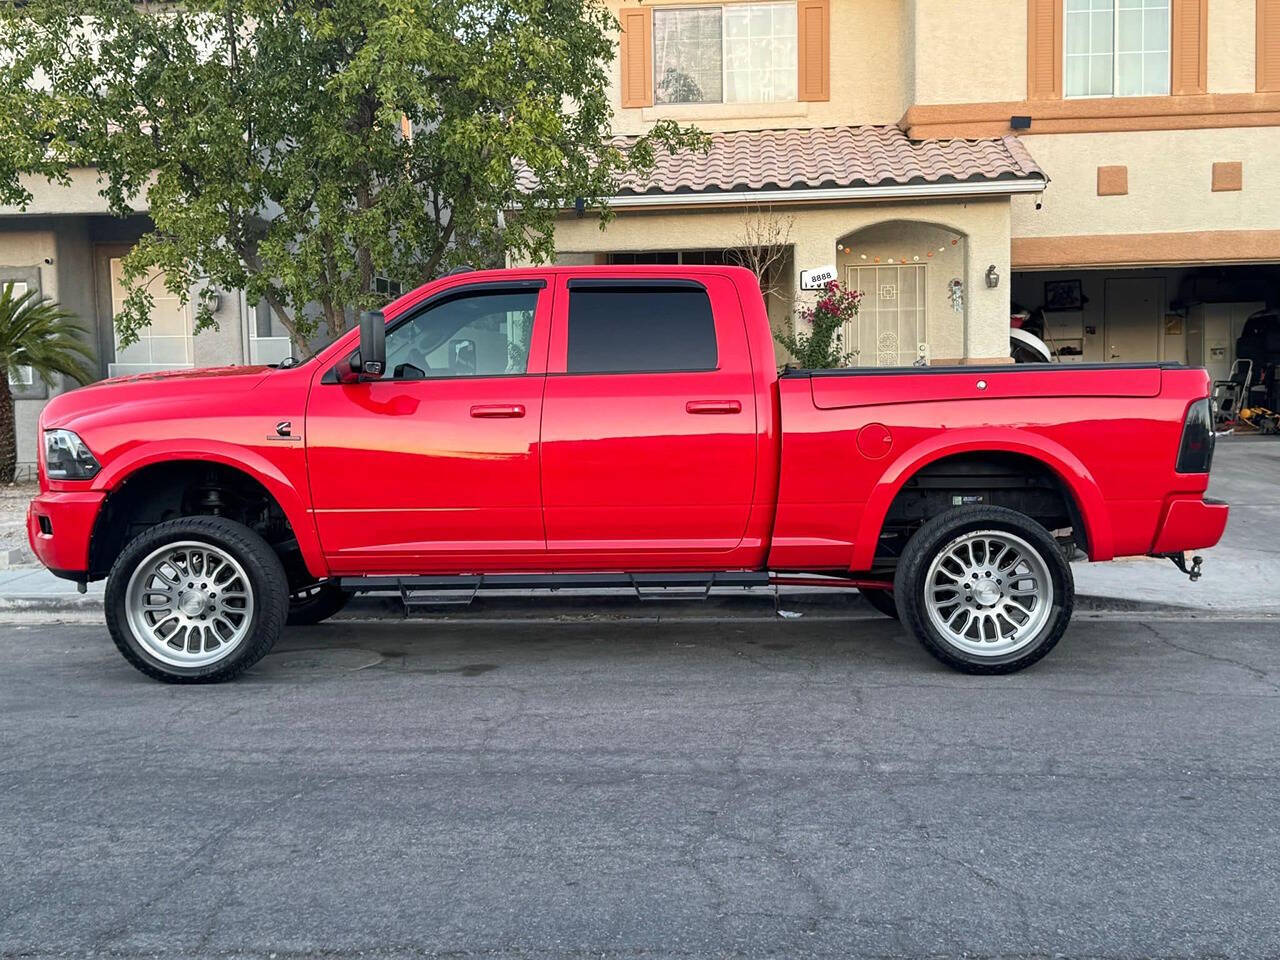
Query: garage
point(1184, 314)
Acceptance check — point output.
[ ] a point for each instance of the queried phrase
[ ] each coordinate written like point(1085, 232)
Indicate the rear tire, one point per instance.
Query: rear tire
point(985, 589)
point(316, 603)
point(882, 601)
point(196, 600)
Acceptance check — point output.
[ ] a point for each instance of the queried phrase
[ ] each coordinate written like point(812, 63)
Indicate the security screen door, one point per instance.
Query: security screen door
point(890, 327)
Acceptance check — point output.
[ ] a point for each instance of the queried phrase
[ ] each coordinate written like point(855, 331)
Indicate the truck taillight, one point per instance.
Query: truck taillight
point(1195, 454)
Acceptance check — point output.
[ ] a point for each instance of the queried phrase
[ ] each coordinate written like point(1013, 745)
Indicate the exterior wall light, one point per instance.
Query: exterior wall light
point(993, 277)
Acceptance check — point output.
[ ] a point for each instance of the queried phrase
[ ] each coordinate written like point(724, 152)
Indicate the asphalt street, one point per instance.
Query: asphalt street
point(633, 790)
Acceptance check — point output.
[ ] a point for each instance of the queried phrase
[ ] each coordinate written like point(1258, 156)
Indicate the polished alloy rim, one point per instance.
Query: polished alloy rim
point(989, 593)
point(189, 604)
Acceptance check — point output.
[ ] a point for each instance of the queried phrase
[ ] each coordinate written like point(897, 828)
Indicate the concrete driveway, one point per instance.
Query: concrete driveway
point(632, 791)
point(1242, 573)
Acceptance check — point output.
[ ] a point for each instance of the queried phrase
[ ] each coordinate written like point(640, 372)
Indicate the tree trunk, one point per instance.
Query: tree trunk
point(8, 436)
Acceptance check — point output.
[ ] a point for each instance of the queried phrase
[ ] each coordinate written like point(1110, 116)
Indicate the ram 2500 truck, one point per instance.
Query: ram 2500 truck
point(606, 426)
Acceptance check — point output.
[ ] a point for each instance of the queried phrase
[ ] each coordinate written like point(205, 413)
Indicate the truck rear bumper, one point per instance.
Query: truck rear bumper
point(1191, 523)
point(59, 527)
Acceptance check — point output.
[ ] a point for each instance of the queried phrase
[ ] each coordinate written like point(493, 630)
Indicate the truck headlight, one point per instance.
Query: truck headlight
point(67, 458)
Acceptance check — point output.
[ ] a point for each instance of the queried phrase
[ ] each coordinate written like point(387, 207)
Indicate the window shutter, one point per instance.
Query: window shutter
point(636, 55)
point(813, 52)
point(1268, 45)
point(1044, 49)
point(1190, 49)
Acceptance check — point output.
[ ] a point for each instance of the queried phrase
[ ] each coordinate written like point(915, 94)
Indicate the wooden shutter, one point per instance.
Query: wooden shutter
point(636, 55)
point(1268, 45)
point(813, 53)
point(1044, 49)
point(1190, 48)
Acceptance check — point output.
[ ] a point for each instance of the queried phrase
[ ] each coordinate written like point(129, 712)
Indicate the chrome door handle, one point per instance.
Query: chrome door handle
point(713, 406)
point(493, 411)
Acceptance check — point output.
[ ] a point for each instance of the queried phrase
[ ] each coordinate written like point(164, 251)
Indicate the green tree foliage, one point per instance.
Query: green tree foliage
point(266, 138)
point(36, 334)
point(821, 346)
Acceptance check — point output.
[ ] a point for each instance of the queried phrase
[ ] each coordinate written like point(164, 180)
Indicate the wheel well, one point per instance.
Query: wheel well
point(188, 488)
point(992, 478)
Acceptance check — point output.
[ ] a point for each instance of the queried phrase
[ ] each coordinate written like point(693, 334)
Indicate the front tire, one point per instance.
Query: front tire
point(985, 589)
point(196, 600)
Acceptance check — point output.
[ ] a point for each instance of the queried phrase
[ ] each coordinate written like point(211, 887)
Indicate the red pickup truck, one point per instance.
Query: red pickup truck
point(607, 426)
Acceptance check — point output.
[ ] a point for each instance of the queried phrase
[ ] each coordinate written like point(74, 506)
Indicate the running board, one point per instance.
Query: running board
point(431, 591)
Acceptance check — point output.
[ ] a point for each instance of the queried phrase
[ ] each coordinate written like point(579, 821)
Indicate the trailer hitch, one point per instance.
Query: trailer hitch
point(1179, 560)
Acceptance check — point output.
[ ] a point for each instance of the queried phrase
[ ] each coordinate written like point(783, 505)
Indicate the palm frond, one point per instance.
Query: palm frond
point(38, 333)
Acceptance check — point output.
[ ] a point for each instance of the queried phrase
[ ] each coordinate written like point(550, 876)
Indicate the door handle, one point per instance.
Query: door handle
point(491, 411)
point(713, 406)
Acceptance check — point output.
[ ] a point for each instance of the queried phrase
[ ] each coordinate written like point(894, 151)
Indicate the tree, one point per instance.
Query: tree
point(821, 347)
point(298, 148)
point(36, 334)
point(764, 243)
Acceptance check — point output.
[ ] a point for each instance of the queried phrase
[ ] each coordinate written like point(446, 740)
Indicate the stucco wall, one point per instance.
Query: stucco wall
point(815, 232)
point(1232, 46)
point(64, 244)
point(1169, 183)
point(970, 51)
point(867, 81)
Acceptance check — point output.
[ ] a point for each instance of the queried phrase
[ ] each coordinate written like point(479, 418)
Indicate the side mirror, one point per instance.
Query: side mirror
point(373, 344)
point(369, 362)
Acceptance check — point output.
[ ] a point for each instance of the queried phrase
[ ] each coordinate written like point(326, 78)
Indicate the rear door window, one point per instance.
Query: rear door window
point(648, 328)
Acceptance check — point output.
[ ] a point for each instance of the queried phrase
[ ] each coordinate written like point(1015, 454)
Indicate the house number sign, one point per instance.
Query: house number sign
point(817, 278)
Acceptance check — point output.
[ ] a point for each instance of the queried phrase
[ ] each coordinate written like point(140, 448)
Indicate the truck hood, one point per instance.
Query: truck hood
point(161, 388)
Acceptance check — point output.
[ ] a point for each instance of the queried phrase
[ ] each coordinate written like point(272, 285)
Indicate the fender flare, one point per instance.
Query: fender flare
point(1075, 476)
point(243, 459)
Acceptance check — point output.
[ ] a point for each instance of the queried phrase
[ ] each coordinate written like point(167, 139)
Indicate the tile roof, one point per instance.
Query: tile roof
point(867, 156)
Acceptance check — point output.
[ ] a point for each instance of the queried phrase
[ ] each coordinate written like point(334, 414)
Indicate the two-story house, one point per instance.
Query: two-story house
point(1111, 161)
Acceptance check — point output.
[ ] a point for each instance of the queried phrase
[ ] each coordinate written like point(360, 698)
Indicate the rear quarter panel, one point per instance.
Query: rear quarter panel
point(850, 442)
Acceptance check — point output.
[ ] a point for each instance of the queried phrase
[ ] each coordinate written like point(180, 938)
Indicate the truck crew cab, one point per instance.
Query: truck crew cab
point(605, 426)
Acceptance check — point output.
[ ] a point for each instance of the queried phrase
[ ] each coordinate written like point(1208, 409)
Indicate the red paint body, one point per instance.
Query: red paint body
point(729, 469)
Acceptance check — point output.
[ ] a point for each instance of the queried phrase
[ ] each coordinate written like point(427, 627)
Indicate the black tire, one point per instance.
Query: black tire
point(938, 534)
point(881, 600)
point(315, 604)
point(266, 581)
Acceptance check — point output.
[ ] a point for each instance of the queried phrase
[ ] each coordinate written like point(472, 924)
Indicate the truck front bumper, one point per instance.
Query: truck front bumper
point(1190, 523)
point(59, 528)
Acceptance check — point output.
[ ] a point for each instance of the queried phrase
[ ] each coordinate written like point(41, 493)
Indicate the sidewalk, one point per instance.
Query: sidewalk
point(1241, 575)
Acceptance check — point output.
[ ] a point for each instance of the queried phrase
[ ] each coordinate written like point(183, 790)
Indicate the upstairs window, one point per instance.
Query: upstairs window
point(744, 53)
point(1117, 48)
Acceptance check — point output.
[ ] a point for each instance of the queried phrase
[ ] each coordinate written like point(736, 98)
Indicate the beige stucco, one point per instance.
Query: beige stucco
point(82, 194)
point(968, 52)
point(1170, 175)
point(867, 81)
point(1232, 46)
point(981, 333)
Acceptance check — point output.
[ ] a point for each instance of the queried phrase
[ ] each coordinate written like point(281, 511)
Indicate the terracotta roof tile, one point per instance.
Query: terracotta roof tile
point(865, 156)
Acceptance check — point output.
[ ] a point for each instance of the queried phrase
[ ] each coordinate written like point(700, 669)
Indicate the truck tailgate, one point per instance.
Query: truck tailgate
point(861, 387)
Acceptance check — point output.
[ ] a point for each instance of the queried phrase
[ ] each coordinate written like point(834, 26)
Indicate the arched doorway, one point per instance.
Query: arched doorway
point(914, 302)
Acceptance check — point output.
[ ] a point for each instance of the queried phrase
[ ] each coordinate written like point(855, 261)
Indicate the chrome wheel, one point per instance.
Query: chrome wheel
point(189, 604)
point(989, 593)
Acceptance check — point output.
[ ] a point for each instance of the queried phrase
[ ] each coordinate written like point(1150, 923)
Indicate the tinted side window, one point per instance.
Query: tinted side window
point(479, 334)
point(640, 330)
